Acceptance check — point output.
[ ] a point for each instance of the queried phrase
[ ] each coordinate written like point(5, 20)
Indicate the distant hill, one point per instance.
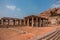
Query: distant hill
point(50, 12)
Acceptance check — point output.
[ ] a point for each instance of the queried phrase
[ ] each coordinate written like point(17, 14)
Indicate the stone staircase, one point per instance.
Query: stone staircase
point(54, 35)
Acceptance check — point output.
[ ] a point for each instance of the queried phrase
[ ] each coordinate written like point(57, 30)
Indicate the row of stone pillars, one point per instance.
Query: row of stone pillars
point(36, 22)
point(11, 22)
point(29, 21)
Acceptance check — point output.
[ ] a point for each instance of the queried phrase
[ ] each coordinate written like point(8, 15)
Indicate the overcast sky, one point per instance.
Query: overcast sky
point(22, 8)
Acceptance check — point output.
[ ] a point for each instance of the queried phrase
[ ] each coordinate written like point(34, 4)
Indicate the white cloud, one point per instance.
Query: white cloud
point(12, 7)
point(56, 5)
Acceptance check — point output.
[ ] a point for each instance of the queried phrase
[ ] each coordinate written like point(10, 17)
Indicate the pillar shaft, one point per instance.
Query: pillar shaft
point(17, 22)
point(8, 22)
point(20, 22)
point(32, 21)
point(24, 22)
point(40, 22)
point(43, 22)
point(37, 22)
point(46, 22)
point(28, 22)
point(1, 21)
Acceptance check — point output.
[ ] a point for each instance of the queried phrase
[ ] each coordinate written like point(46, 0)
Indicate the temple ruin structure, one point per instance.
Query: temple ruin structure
point(34, 21)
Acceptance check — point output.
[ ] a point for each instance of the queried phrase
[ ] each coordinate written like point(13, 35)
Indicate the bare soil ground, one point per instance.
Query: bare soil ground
point(24, 33)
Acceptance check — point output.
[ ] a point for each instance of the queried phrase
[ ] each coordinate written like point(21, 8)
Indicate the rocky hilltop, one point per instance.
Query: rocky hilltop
point(50, 12)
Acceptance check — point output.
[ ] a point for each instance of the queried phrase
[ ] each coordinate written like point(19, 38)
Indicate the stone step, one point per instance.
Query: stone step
point(58, 36)
point(50, 36)
point(53, 38)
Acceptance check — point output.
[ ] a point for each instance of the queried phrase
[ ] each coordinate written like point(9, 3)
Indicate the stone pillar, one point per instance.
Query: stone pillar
point(8, 22)
point(32, 21)
point(28, 22)
point(17, 22)
point(47, 22)
point(39, 22)
point(24, 22)
point(2, 22)
point(42, 23)
point(36, 22)
point(20, 22)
